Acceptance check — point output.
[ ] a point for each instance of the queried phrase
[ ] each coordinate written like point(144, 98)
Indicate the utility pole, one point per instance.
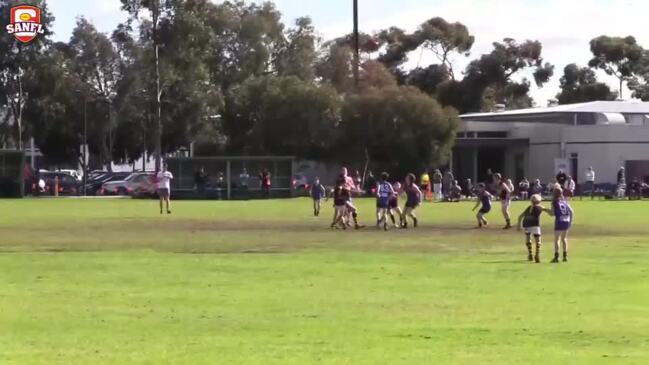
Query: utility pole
point(158, 142)
point(85, 146)
point(357, 62)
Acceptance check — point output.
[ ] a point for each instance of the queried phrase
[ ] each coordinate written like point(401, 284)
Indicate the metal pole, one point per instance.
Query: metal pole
point(228, 176)
point(356, 46)
point(85, 146)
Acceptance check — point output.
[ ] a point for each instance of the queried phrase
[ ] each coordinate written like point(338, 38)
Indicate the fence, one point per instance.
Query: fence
point(224, 180)
point(12, 163)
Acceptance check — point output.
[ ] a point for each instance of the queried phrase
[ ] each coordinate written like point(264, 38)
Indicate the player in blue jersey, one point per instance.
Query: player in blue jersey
point(413, 200)
point(384, 193)
point(318, 192)
point(484, 199)
point(563, 215)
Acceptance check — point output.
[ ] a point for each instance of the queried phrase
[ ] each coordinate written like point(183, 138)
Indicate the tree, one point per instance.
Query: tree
point(399, 128)
point(335, 66)
point(297, 57)
point(282, 115)
point(639, 83)
point(616, 56)
point(96, 65)
point(443, 38)
point(157, 9)
point(17, 67)
point(580, 85)
point(495, 71)
point(436, 34)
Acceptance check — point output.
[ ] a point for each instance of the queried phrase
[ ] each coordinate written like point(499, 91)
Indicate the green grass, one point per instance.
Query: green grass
point(113, 282)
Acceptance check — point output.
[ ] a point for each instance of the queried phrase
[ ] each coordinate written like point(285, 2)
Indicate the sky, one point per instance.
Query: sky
point(564, 27)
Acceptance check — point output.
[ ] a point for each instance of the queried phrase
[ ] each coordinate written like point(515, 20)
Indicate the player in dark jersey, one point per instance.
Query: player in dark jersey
point(394, 206)
point(384, 192)
point(484, 198)
point(505, 195)
point(340, 195)
point(413, 200)
point(531, 223)
point(563, 214)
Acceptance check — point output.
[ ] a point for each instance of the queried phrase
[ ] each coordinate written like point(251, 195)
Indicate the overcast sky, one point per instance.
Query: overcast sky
point(563, 26)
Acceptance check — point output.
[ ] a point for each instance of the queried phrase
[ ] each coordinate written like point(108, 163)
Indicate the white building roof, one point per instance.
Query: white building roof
point(565, 114)
point(621, 107)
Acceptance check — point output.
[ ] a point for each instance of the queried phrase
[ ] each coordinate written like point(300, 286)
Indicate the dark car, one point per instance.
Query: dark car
point(94, 185)
point(67, 185)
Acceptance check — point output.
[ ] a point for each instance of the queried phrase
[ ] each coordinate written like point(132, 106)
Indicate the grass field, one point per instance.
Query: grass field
point(113, 282)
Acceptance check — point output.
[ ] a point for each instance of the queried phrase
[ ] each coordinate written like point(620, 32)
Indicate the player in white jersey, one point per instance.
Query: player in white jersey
point(164, 187)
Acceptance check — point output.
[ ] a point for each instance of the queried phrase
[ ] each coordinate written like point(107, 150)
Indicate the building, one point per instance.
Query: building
point(536, 142)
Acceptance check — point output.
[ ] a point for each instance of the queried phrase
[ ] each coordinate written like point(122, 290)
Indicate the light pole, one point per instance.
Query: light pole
point(85, 145)
point(357, 61)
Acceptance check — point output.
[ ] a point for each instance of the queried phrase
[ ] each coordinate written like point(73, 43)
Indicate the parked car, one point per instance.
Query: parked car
point(95, 184)
point(134, 183)
point(67, 185)
point(74, 173)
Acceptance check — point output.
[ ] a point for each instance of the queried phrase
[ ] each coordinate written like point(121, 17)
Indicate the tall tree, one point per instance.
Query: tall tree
point(579, 84)
point(17, 67)
point(639, 83)
point(157, 9)
point(495, 71)
point(282, 115)
point(398, 128)
point(297, 57)
point(96, 64)
point(617, 56)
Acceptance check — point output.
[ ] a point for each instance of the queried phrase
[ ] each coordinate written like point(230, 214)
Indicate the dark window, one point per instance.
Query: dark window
point(492, 134)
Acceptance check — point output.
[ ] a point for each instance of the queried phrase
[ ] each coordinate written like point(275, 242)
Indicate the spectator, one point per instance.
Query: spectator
point(264, 178)
point(370, 184)
point(455, 194)
point(220, 184)
point(635, 190)
point(425, 184)
point(524, 189)
point(447, 180)
point(437, 184)
point(244, 179)
point(200, 180)
point(621, 183)
point(569, 188)
point(536, 187)
point(358, 180)
point(468, 189)
point(489, 178)
point(561, 177)
point(589, 186)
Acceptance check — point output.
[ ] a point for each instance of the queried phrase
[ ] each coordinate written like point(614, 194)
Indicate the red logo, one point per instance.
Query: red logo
point(25, 23)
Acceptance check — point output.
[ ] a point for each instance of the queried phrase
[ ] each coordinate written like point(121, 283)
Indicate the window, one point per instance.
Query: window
point(492, 134)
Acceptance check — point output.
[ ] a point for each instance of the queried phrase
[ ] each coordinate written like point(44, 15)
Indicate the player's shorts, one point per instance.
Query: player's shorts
point(163, 192)
point(534, 231)
point(340, 209)
point(484, 210)
point(383, 203)
point(393, 203)
point(412, 204)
